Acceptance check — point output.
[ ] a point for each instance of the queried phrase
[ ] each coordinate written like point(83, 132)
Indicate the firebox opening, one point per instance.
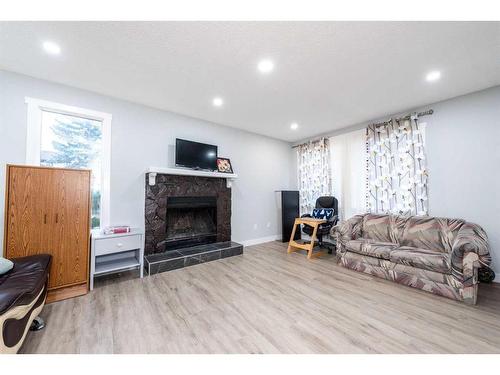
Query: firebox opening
point(190, 221)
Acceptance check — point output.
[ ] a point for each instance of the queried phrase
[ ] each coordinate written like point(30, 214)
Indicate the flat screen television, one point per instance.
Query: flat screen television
point(195, 155)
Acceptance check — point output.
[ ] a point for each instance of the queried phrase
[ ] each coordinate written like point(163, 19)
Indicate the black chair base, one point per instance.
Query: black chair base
point(37, 324)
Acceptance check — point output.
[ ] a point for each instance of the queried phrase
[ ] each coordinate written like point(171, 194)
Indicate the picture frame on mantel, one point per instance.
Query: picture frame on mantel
point(224, 165)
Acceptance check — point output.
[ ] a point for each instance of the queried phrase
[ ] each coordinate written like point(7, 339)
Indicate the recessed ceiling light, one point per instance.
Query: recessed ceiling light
point(217, 101)
point(294, 126)
point(265, 66)
point(51, 47)
point(433, 76)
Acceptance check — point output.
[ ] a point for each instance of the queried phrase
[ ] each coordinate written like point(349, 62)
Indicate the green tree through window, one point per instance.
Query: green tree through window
point(75, 143)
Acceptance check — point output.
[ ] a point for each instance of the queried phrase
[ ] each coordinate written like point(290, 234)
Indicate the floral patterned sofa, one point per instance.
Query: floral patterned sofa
point(439, 255)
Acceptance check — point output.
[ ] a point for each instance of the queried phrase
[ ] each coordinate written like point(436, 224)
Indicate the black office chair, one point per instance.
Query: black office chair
point(324, 229)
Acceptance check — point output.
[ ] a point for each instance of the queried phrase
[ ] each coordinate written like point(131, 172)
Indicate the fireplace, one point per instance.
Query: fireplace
point(184, 209)
point(187, 222)
point(190, 221)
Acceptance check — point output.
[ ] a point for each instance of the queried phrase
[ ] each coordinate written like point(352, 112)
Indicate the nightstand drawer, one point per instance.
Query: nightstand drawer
point(115, 245)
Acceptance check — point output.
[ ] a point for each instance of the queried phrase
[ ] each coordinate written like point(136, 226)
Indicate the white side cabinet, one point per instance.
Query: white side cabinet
point(111, 253)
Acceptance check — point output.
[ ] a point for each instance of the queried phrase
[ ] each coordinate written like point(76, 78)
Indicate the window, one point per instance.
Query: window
point(70, 137)
point(348, 165)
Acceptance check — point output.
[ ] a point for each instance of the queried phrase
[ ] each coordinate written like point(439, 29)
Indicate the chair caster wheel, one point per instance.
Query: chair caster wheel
point(37, 324)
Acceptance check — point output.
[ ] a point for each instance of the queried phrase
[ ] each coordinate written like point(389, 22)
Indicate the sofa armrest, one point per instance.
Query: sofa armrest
point(469, 250)
point(347, 230)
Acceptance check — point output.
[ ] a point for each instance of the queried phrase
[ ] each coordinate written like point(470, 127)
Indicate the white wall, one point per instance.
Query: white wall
point(144, 137)
point(463, 156)
point(463, 152)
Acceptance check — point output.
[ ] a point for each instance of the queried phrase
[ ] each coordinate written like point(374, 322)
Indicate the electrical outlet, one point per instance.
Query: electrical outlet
point(268, 225)
point(255, 226)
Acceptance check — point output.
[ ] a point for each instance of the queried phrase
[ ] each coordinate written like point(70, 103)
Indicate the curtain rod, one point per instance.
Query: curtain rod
point(407, 117)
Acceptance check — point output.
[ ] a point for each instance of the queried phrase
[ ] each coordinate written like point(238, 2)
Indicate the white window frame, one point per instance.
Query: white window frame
point(34, 140)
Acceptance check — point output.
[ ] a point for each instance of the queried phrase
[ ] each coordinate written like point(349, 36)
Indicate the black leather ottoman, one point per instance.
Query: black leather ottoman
point(22, 296)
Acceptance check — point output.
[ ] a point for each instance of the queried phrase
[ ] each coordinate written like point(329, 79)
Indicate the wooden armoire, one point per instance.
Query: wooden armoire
point(47, 210)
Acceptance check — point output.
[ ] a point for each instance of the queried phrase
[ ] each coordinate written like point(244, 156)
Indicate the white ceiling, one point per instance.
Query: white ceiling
point(327, 75)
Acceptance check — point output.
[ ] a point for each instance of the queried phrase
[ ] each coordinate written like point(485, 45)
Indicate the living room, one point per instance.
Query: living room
point(272, 187)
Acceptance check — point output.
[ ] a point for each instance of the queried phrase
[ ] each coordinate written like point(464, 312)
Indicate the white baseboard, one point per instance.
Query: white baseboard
point(257, 241)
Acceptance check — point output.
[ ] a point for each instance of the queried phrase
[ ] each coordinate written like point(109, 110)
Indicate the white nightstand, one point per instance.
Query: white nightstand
point(111, 253)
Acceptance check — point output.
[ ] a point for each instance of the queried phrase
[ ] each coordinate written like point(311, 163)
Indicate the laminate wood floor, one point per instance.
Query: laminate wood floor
point(266, 301)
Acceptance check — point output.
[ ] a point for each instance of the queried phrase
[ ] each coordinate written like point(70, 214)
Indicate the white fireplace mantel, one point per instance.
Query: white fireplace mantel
point(153, 171)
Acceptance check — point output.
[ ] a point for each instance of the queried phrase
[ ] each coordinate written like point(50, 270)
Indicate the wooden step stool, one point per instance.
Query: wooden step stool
point(295, 246)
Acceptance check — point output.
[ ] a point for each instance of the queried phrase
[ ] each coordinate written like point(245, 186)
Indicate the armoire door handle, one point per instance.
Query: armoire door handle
point(57, 218)
point(45, 219)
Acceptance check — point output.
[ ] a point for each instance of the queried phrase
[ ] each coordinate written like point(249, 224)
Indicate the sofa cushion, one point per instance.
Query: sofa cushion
point(377, 227)
point(422, 258)
point(432, 233)
point(369, 247)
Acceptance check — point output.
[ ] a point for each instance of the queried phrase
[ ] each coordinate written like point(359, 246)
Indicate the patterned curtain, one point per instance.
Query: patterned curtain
point(313, 166)
point(396, 166)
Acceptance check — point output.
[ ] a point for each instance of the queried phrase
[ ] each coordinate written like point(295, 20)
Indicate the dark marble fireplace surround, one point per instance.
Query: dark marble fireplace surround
point(186, 187)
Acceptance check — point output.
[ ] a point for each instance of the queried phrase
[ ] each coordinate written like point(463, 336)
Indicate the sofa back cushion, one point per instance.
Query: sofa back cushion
point(430, 233)
point(377, 227)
